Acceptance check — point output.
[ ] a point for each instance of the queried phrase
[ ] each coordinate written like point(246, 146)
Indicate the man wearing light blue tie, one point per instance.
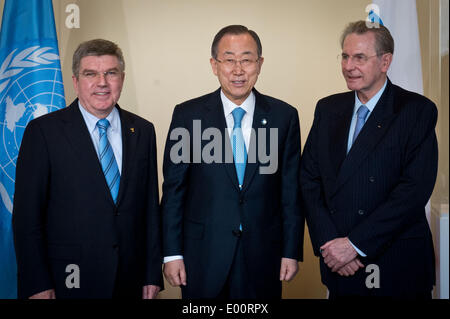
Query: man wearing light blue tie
point(86, 206)
point(230, 230)
point(368, 169)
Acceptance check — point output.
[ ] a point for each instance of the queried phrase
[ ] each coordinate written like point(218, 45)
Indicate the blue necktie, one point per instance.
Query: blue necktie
point(361, 114)
point(238, 144)
point(107, 160)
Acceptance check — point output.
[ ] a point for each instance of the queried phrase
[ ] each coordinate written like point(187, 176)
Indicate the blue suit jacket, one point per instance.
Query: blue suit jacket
point(376, 193)
point(202, 204)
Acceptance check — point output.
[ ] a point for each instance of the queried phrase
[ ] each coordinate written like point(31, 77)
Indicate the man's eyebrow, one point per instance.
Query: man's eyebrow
point(110, 69)
point(88, 70)
point(357, 53)
point(243, 53)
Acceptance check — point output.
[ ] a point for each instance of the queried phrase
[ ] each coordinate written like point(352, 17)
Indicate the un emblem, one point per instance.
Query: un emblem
point(30, 86)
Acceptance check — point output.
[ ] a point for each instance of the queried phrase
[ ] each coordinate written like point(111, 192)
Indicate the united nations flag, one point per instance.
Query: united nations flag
point(30, 86)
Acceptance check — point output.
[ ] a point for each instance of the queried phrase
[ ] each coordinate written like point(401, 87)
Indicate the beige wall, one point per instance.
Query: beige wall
point(166, 46)
point(434, 49)
point(167, 49)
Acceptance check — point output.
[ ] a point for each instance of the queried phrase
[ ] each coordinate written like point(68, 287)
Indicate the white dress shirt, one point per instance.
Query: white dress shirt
point(246, 124)
point(370, 105)
point(114, 132)
point(247, 120)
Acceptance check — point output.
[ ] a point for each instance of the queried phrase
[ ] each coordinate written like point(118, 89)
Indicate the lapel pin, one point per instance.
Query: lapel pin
point(132, 129)
point(263, 121)
point(379, 125)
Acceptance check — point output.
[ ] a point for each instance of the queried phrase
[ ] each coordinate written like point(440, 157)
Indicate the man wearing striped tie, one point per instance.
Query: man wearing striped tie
point(368, 169)
point(86, 211)
point(230, 229)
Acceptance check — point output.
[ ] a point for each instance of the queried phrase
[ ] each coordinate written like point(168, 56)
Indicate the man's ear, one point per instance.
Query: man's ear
point(386, 60)
point(260, 63)
point(213, 65)
point(75, 83)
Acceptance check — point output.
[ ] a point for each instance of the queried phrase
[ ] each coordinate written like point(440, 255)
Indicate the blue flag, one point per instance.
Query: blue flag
point(30, 86)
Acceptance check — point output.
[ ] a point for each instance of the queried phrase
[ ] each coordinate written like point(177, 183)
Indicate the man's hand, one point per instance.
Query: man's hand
point(47, 294)
point(337, 253)
point(351, 268)
point(175, 272)
point(289, 268)
point(150, 291)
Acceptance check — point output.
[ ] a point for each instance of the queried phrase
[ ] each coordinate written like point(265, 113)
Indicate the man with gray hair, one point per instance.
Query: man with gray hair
point(231, 231)
point(86, 207)
point(368, 169)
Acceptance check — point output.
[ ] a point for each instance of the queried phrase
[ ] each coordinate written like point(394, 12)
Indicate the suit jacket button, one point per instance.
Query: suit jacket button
point(332, 211)
point(237, 233)
point(115, 246)
point(371, 179)
point(241, 201)
point(361, 212)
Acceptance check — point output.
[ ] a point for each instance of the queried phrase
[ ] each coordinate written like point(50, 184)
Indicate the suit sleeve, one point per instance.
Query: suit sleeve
point(29, 213)
point(293, 219)
point(321, 227)
point(174, 191)
point(406, 202)
point(154, 245)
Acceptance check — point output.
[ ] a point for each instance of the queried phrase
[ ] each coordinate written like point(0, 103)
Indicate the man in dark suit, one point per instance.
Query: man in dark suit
point(368, 169)
point(86, 209)
point(232, 227)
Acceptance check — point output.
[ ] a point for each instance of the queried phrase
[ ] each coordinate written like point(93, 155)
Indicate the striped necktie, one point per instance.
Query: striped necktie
point(107, 160)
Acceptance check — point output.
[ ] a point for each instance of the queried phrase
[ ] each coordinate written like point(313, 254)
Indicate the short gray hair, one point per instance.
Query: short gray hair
point(384, 43)
point(96, 47)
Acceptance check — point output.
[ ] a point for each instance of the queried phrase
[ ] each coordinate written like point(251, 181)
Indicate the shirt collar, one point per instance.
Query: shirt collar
point(372, 102)
point(248, 105)
point(91, 120)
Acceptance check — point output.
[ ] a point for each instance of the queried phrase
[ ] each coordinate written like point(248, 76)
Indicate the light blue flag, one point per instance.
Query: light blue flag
point(30, 86)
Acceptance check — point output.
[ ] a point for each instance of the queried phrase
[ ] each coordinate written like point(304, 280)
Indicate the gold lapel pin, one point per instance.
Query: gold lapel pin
point(132, 129)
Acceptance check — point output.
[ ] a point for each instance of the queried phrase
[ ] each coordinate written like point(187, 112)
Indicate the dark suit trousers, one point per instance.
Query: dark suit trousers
point(237, 285)
point(123, 289)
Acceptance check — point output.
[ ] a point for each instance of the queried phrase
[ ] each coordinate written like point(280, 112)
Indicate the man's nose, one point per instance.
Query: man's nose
point(237, 68)
point(101, 79)
point(348, 64)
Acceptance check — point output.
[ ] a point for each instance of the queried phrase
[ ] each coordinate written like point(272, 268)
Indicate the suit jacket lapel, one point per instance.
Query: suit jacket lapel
point(78, 136)
point(374, 129)
point(339, 130)
point(214, 117)
point(260, 114)
point(130, 136)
